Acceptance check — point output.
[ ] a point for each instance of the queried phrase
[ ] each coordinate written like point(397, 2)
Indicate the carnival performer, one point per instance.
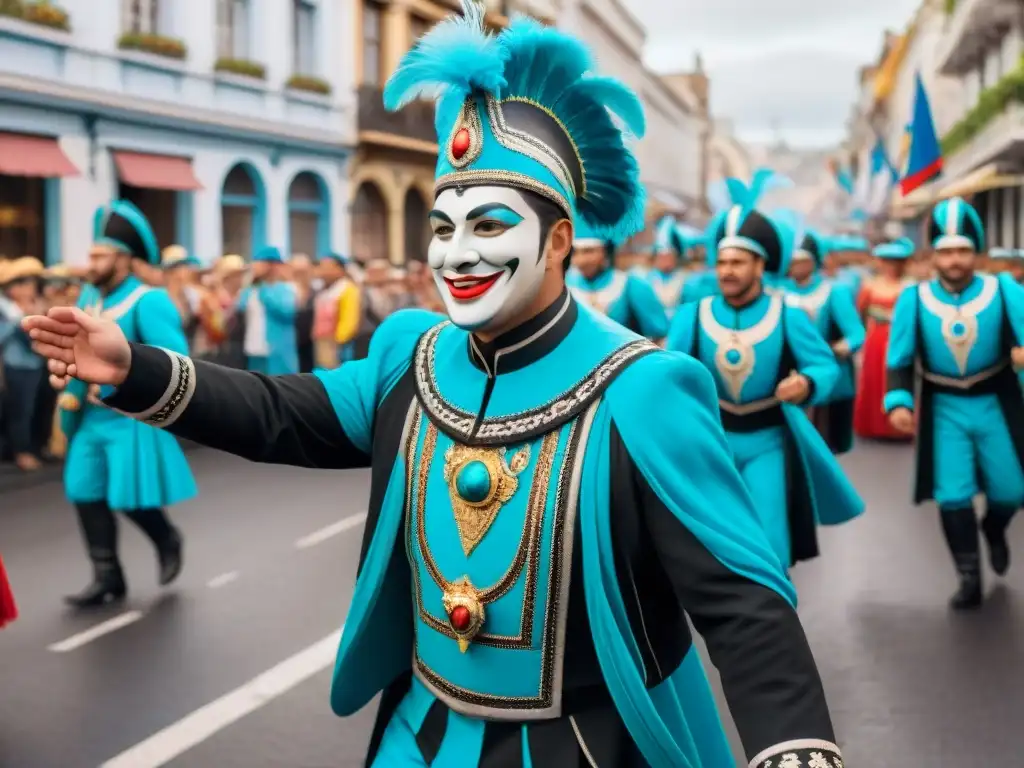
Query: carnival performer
point(875, 302)
point(114, 462)
point(533, 538)
point(625, 297)
point(270, 304)
point(1008, 260)
point(768, 361)
point(8, 608)
point(961, 333)
point(667, 275)
point(832, 309)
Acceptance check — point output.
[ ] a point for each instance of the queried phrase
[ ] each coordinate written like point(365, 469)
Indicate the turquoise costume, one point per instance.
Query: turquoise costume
point(669, 286)
point(271, 348)
point(625, 297)
point(970, 410)
point(789, 469)
point(114, 462)
point(833, 310)
point(532, 540)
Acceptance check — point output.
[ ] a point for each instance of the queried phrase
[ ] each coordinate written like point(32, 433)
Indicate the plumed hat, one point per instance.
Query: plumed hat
point(743, 226)
point(124, 227)
point(811, 247)
point(523, 109)
point(670, 237)
point(955, 224)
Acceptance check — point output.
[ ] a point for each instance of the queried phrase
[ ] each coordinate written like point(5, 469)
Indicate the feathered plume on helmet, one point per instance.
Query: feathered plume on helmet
point(524, 109)
point(741, 225)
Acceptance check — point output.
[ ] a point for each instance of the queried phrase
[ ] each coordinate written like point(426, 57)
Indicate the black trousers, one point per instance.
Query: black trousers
point(20, 397)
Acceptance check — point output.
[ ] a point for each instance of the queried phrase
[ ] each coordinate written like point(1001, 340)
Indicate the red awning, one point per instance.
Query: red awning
point(156, 171)
point(37, 156)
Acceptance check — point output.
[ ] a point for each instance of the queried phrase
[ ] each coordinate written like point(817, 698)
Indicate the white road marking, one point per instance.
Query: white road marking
point(318, 537)
point(195, 728)
point(224, 579)
point(104, 628)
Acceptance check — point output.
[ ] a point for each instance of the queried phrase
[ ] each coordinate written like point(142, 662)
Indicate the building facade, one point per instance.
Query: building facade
point(983, 48)
point(672, 153)
point(230, 123)
point(392, 184)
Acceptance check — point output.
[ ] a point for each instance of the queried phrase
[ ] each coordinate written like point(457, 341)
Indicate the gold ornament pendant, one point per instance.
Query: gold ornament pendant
point(465, 611)
point(480, 481)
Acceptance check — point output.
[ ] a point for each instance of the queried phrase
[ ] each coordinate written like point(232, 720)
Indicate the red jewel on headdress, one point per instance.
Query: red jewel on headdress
point(460, 143)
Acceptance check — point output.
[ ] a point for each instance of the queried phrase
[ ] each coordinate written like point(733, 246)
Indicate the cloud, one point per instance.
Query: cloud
point(784, 67)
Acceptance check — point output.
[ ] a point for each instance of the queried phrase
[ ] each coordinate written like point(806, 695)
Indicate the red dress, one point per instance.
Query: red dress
point(8, 609)
point(869, 418)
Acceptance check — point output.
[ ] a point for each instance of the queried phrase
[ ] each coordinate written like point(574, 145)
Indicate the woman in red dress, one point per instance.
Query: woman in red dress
point(876, 301)
point(8, 609)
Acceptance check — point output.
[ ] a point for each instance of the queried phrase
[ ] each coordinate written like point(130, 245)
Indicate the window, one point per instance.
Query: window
point(304, 43)
point(141, 16)
point(372, 69)
point(309, 216)
point(243, 212)
point(233, 29)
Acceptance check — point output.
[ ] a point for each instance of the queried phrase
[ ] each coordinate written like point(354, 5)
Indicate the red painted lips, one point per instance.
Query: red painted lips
point(469, 287)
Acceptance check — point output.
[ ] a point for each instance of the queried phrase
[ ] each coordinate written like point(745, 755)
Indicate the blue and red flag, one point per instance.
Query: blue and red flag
point(925, 160)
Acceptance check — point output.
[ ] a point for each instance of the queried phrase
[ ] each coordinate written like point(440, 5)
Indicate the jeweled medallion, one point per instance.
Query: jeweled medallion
point(480, 481)
point(465, 611)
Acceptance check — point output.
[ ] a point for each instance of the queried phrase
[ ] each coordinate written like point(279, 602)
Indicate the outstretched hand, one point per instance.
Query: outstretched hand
point(77, 345)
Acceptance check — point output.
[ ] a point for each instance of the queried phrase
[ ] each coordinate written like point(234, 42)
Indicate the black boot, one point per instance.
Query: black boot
point(997, 518)
point(99, 529)
point(961, 529)
point(165, 537)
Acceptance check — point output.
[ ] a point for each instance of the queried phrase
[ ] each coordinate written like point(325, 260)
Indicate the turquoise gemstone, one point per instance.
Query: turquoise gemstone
point(733, 356)
point(473, 483)
point(958, 329)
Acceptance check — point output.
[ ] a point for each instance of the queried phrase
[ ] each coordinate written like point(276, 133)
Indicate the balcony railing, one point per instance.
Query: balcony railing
point(415, 121)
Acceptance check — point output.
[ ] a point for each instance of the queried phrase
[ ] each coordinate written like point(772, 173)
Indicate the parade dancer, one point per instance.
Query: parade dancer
point(667, 276)
point(961, 335)
point(625, 297)
point(875, 302)
point(768, 361)
point(114, 462)
point(533, 538)
point(833, 310)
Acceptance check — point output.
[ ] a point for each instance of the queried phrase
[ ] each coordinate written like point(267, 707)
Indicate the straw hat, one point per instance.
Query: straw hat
point(230, 264)
point(19, 269)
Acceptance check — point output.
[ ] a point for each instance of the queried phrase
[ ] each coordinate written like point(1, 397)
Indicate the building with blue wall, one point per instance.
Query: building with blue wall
point(229, 122)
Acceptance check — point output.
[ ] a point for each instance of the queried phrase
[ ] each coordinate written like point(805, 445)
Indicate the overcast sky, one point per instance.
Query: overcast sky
point(778, 67)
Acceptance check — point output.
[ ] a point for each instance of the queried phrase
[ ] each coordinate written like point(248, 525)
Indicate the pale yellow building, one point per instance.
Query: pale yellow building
point(393, 167)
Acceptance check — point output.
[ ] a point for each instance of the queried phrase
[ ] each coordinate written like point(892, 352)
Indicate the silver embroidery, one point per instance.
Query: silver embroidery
point(812, 302)
point(505, 429)
point(602, 298)
point(734, 354)
point(960, 323)
point(790, 760)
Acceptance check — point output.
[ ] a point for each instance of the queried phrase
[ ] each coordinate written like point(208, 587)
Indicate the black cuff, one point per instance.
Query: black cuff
point(158, 387)
point(800, 753)
point(811, 388)
point(900, 379)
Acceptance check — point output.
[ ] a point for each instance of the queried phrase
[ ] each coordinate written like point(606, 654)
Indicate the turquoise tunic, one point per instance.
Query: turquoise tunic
point(279, 304)
point(547, 438)
point(700, 285)
point(972, 426)
point(625, 297)
point(111, 457)
point(833, 310)
point(668, 287)
point(748, 351)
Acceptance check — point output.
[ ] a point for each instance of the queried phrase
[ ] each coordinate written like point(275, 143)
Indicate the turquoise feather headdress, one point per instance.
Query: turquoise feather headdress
point(741, 225)
point(523, 109)
point(125, 228)
point(955, 224)
point(669, 237)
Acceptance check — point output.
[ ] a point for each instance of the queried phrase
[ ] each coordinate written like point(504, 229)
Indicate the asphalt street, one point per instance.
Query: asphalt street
point(231, 666)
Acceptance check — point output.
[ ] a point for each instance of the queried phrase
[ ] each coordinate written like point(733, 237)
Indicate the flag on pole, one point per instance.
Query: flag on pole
point(925, 161)
point(842, 176)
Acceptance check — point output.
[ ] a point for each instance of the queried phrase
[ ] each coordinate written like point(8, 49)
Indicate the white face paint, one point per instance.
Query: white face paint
point(485, 255)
